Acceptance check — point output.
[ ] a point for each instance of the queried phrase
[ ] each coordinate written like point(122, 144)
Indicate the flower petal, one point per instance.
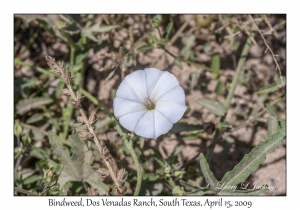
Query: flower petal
point(175, 95)
point(162, 124)
point(166, 82)
point(145, 127)
point(124, 106)
point(126, 91)
point(137, 81)
point(152, 77)
point(130, 121)
point(172, 111)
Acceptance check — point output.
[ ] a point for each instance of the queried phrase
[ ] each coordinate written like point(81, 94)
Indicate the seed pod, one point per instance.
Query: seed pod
point(85, 135)
point(121, 174)
point(79, 96)
point(103, 172)
point(66, 92)
point(55, 72)
point(80, 119)
point(93, 118)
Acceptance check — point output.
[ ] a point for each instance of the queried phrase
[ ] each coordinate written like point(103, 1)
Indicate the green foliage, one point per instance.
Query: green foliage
point(77, 166)
point(65, 167)
point(272, 87)
point(32, 103)
point(251, 161)
point(213, 106)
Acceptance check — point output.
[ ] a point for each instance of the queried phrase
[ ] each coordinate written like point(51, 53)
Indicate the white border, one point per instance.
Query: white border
point(8, 8)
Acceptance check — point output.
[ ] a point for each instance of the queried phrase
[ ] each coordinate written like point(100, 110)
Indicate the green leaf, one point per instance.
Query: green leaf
point(34, 118)
point(189, 185)
point(208, 175)
point(251, 161)
point(194, 76)
point(71, 28)
point(168, 30)
point(145, 47)
point(242, 192)
point(31, 179)
point(158, 159)
point(271, 109)
point(88, 32)
point(25, 191)
point(202, 192)
point(272, 87)
point(26, 105)
point(47, 26)
point(177, 62)
point(219, 88)
point(77, 167)
point(213, 106)
point(17, 128)
point(272, 125)
point(215, 64)
point(177, 190)
point(179, 127)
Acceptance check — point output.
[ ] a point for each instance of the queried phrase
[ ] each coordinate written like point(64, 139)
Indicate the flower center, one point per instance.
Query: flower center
point(149, 104)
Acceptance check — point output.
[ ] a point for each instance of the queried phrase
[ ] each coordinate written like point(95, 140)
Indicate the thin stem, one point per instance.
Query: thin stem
point(238, 72)
point(218, 134)
point(129, 145)
point(103, 108)
point(25, 191)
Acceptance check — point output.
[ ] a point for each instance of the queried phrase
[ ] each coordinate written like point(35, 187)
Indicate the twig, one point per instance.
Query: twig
point(57, 68)
point(268, 47)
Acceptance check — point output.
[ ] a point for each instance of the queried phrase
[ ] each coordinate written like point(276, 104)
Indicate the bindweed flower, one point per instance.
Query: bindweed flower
point(148, 102)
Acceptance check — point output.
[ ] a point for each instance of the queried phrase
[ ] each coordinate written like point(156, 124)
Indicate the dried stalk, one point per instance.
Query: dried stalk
point(57, 68)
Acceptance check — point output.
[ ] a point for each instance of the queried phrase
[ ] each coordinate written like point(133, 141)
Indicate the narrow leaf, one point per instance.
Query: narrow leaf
point(177, 62)
point(179, 127)
point(189, 185)
point(242, 192)
point(145, 47)
point(26, 105)
point(271, 87)
point(207, 173)
point(272, 125)
point(271, 109)
point(168, 30)
point(215, 64)
point(213, 106)
point(251, 161)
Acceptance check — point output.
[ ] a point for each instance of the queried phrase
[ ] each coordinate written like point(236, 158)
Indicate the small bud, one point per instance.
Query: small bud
point(55, 72)
point(79, 96)
point(80, 119)
point(93, 118)
point(103, 172)
point(18, 128)
point(66, 92)
point(85, 135)
point(60, 64)
point(75, 103)
point(121, 174)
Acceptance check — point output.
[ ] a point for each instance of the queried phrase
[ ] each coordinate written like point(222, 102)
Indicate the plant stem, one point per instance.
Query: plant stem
point(128, 142)
point(239, 70)
point(25, 191)
point(129, 145)
point(103, 108)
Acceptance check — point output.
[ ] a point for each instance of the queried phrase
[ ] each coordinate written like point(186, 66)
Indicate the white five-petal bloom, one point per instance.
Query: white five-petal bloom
point(148, 102)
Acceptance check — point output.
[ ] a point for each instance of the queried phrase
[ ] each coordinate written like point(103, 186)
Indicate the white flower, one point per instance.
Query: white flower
point(148, 102)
